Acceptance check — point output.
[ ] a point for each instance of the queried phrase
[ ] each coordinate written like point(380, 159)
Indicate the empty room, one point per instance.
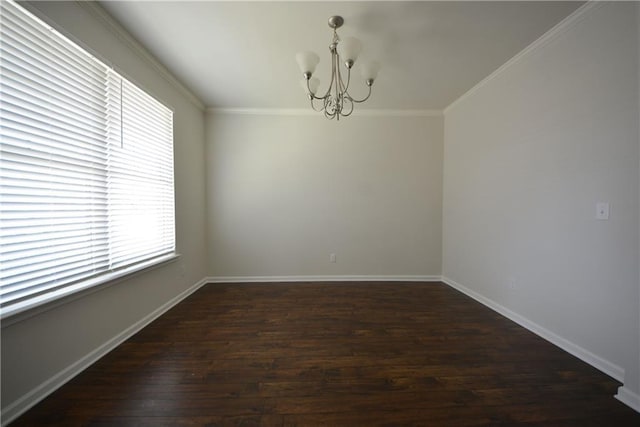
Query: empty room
point(307, 213)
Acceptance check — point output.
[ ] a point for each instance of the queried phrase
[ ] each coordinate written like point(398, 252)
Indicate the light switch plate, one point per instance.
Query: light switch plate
point(602, 210)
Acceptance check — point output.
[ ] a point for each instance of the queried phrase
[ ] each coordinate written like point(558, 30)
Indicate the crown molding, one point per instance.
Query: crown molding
point(123, 35)
point(562, 27)
point(323, 278)
point(309, 112)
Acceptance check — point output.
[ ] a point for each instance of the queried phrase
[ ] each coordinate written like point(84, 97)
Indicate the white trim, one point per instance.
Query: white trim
point(310, 112)
point(597, 362)
point(262, 111)
point(624, 395)
point(327, 278)
point(629, 398)
point(562, 27)
point(38, 393)
point(21, 311)
point(138, 49)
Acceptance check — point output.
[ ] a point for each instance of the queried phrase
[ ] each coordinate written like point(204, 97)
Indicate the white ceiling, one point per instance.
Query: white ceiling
point(242, 54)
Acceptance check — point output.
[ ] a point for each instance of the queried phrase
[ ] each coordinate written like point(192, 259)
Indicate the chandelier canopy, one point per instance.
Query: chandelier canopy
point(336, 101)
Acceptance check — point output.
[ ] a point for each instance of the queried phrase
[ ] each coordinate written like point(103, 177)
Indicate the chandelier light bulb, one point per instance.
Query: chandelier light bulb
point(369, 70)
point(307, 61)
point(349, 48)
point(314, 83)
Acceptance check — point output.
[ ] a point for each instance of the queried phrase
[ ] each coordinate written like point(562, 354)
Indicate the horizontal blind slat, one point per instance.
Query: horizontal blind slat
point(86, 165)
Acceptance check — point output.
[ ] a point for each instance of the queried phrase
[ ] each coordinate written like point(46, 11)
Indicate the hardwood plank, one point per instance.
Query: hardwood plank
point(291, 354)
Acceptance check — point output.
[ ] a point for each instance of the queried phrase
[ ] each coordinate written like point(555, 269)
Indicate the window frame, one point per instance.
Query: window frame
point(47, 300)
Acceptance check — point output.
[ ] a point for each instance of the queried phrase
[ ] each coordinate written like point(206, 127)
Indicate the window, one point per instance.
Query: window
point(86, 168)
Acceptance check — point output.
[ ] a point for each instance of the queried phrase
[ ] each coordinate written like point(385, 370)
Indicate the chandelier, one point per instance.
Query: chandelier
point(336, 101)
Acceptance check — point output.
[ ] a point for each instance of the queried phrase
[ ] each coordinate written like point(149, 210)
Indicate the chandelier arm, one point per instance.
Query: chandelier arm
point(348, 98)
point(340, 88)
point(327, 93)
point(313, 106)
point(313, 96)
point(345, 87)
point(327, 106)
point(338, 84)
point(329, 115)
point(333, 72)
point(333, 77)
point(360, 100)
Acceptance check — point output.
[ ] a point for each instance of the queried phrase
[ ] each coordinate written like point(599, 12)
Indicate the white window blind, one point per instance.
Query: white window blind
point(86, 167)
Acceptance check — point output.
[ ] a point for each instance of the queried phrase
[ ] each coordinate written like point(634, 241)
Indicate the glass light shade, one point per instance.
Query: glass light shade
point(307, 61)
point(369, 70)
point(314, 83)
point(349, 48)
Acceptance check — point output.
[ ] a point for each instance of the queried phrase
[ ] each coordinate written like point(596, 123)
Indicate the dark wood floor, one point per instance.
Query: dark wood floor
point(337, 354)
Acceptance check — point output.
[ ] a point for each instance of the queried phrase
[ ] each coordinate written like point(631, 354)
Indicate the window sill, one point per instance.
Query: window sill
point(21, 311)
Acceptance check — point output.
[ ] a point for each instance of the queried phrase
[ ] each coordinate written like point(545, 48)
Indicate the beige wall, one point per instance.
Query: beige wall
point(527, 157)
point(38, 350)
point(285, 191)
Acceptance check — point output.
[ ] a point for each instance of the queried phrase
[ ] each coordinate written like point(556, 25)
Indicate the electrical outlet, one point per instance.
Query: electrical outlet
point(602, 210)
point(332, 257)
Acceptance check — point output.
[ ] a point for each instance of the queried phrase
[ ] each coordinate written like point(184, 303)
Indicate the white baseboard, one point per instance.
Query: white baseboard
point(597, 362)
point(629, 398)
point(327, 278)
point(28, 400)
